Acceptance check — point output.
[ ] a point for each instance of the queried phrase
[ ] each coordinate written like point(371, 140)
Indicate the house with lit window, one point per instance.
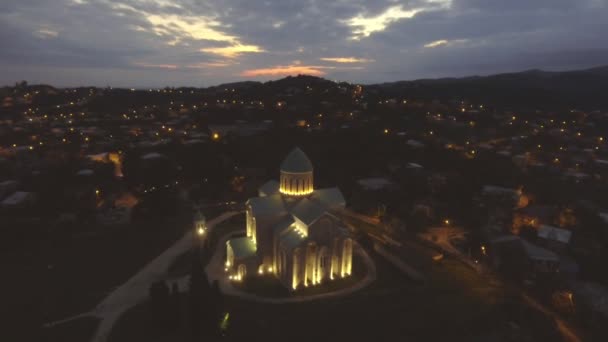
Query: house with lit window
point(292, 231)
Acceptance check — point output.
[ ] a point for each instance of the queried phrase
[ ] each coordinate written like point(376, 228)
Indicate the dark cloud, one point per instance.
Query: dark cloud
point(202, 42)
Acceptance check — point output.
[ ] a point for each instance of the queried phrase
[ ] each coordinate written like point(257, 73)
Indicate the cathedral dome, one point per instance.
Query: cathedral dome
point(296, 162)
point(296, 174)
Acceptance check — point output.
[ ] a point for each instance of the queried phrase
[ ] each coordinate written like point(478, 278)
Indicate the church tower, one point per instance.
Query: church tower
point(296, 174)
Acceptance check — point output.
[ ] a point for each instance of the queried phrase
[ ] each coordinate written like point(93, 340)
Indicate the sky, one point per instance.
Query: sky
point(156, 43)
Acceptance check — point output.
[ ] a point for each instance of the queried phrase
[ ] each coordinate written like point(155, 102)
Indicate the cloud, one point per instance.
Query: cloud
point(233, 50)
point(287, 70)
point(346, 59)
point(364, 26)
point(202, 65)
point(444, 42)
point(156, 66)
point(174, 42)
point(195, 27)
point(46, 33)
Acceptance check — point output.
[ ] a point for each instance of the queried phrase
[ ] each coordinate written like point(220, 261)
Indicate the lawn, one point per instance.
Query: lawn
point(57, 275)
point(80, 329)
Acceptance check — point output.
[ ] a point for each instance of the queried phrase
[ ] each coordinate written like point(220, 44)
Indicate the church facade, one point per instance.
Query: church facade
point(291, 231)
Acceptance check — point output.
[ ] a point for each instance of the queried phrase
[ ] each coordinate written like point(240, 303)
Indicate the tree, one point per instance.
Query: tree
point(175, 307)
point(159, 303)
point(198, 296)
point(216, 307)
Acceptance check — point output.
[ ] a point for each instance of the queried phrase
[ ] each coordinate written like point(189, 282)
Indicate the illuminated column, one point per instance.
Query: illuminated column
point(296, 184)
point(349, 267)
point(295, 269)
point(248, 220)
point(311, 260)
point(253, 230)
point(347, 253)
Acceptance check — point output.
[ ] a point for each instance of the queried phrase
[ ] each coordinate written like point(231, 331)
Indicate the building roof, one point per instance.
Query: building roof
point(85, 172)
point(296, 161)
point(284, 224)
point(538, 253)
point(375, 183)
point(269, 188)
point(330, 197)
point(307, 211)
point(17, 198)
point(543, 212)
point(553, 233)
point(267, 205)
point(291, 240)
point(242, 247)
point(152, 155)
point(531, 250)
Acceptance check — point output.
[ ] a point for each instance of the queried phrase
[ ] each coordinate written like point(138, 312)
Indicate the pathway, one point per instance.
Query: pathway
point(565, 329)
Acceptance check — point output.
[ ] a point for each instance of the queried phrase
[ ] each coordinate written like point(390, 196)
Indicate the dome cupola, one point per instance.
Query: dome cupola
point(296, 174)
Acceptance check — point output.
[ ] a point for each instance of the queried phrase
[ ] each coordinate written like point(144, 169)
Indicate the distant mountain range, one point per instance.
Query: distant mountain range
point(582, 88)
point(585, 89)
point(530, 89)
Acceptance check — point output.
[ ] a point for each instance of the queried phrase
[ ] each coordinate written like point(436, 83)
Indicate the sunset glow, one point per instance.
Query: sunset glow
point(285, 71)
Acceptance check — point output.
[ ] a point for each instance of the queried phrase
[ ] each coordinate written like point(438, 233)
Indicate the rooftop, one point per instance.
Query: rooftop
point(242, 247)
point(553, 233)
point(297, 162)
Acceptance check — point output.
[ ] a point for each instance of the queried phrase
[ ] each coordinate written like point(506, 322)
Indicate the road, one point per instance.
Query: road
point(442, 238)
point(564, 328)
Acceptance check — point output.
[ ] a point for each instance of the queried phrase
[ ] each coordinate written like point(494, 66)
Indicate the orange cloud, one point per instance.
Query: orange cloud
point(234, 50)
point(346, 60)
point(286, 70)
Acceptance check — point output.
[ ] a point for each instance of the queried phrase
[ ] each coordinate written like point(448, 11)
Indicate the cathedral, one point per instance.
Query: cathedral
point(291, 231)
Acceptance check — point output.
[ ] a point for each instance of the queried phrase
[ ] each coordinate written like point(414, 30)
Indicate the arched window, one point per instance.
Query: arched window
point(323, 264)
